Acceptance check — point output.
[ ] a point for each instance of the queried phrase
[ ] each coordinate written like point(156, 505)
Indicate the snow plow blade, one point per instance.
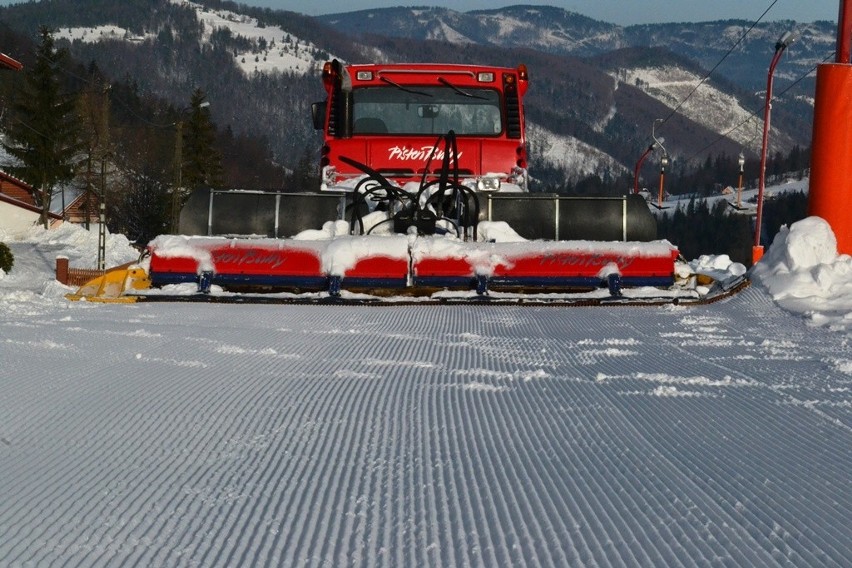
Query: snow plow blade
point(554, 217)
point(257, 213)
point(210, 212)
point(400, 269)
point(113, 286)
point(406, 268)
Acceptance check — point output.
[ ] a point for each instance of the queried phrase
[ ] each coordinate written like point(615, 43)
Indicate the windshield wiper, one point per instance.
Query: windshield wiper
point(459, 91)
point(406, 89)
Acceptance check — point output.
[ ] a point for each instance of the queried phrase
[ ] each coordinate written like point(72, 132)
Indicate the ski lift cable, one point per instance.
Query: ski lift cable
point(718, 63)
point(757, 110)
point(117, 100)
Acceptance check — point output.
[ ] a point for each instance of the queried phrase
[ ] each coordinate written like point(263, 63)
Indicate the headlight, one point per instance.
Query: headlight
point(488, 184)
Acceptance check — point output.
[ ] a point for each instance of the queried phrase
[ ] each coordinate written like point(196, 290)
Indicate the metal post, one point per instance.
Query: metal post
point(664, 161)
point(176, 191)
point(210, 214)
point(277, 212)
point(780, 46)
point(102, 237)
point(557, 212)
point(102, 219)
point(741, 161)
point(639, 166)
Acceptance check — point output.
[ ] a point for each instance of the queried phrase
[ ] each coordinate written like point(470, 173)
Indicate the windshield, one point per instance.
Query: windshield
point(426, 111)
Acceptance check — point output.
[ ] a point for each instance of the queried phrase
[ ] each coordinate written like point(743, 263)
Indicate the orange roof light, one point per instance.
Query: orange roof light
point(522, 72)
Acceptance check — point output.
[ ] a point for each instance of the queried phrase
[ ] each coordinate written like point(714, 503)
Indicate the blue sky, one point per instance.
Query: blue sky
point(622, 12)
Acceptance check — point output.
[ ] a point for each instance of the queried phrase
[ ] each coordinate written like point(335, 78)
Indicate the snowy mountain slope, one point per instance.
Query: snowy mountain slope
point(273, 50)
point(543, 28)
point(704, 103)
point(187, 45)
point(245, 435)
point(567, 153)
point(747, 64)
point(559, 31)
point(267, 49)
point(104, 32)
point(222, 435)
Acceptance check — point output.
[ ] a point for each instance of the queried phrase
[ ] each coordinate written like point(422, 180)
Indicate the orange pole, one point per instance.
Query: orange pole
point(757, 248)
point(830, 193)
point(844, 33)
point(639, 166)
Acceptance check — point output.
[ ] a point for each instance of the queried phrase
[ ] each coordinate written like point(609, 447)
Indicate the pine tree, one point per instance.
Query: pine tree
point(202, 163)
point(197, 161)
point(44, 135)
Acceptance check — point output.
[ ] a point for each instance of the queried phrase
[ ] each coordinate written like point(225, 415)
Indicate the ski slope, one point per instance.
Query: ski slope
point(236, 435)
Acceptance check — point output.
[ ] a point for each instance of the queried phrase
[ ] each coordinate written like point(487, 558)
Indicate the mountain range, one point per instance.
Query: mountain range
point(597, 89)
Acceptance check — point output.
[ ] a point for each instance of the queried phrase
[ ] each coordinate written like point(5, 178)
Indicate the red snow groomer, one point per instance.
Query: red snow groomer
point(424, 193)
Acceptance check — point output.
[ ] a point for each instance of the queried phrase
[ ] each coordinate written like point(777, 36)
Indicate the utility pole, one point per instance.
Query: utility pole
point(104, 151)
point(177, 190)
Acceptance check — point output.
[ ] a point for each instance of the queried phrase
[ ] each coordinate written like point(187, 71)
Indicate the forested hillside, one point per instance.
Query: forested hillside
point(596, 89)
point(579, 67)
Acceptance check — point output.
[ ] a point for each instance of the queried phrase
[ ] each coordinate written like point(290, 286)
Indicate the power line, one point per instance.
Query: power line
point(757, 110)
point(718, 63)
point(88, 80)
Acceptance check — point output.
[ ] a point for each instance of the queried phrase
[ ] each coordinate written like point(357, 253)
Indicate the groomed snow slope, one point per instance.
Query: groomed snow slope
point(226, 435)
point(223, 435)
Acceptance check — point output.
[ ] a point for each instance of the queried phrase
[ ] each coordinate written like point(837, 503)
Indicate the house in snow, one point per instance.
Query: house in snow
point(18, 209)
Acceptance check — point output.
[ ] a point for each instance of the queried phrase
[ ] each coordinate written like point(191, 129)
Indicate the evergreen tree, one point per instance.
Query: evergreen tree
point(306, 175)
point(197, 162)
point(44, 135)
point(202, 163)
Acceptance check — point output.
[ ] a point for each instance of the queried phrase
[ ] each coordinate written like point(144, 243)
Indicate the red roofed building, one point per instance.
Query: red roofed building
point(18, 209)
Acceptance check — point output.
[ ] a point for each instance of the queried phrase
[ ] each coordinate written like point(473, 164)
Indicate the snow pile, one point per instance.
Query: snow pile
point(709, 269)
point(804, 273)
point(32, 280)
point(76, 243)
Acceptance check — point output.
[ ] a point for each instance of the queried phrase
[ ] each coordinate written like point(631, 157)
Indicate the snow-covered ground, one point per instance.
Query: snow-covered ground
point(283, 435)
point(748, 198)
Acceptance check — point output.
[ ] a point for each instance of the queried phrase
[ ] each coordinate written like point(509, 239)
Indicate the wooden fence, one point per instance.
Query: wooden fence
point(79, 276)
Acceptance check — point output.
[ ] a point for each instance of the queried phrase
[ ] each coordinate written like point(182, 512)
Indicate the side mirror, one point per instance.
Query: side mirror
point(318, 114)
